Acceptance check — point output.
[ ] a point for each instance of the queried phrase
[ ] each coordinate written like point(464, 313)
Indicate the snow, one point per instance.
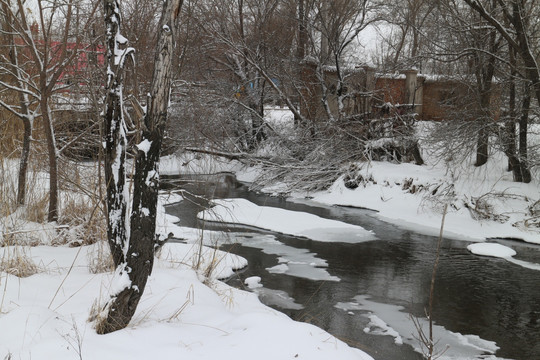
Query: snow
point(277, 298)
point(185, 311)
point(178, 316)
point(420, 212)
point(120, 280)
point(241, 211)
point(278, 116)
point(382, 328)
point(212, 262)
point(500, 251)
point(292, 261)
point(278, 269)
point(390, 320)
point(491, 249)
point(144, 146)
point(253, 282)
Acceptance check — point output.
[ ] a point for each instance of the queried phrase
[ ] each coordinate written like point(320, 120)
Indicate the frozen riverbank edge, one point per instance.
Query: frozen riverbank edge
point(185, 311)
point(484, 203)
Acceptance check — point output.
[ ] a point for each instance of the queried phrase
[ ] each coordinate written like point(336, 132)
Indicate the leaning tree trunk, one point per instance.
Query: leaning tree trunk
point(139, 250)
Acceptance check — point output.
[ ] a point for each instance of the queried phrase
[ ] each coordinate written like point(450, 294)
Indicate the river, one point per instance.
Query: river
point(487, 299)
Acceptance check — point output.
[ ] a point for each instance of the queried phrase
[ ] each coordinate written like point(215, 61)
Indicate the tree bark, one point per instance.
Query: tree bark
point(523, 132)
point(300, 52)
point(52, 153)
point(139, 255)
point(485, 70)
point(115, 139)
point(23, 164)
point(482, 145)
point(510, 125)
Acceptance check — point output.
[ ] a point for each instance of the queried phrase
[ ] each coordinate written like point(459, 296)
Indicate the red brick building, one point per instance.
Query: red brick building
point(371, 94)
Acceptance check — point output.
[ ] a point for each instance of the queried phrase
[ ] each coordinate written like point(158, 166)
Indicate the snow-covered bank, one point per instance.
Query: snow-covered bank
point(244, 212)
point(178, 316)
point(483, 202)
point(185, 311)
point(480, 206)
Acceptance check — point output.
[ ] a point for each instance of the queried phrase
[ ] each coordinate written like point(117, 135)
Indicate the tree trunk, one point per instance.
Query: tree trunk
point(300, 52)
point(115, 139)
point(53, 155)
point(23, 164)
point(23, 101)
point(482, 145)
point(523, 123)
point(510, 125)
point(139, 257)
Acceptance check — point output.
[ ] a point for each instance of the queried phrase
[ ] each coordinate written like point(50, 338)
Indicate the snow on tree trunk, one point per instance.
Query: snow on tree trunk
point(138, 250)
point(115, 135)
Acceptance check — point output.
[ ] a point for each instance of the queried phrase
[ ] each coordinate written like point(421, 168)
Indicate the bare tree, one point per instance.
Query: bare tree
point(338, 24)
point(411, 23)
point(132, 238)
point(45, 44)
point(16, 80)
point(510, 19)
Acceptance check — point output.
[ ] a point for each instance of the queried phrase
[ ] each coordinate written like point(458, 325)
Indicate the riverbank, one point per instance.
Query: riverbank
point(483, 203)
point(393, 270)
point(185, 311)
point(51, 293)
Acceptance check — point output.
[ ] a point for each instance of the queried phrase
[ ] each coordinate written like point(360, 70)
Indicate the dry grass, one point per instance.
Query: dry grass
point(100, 260)
point(16, 262)
point(36, 210)
point(190, 300)
point(98, 315)
point(84, 222)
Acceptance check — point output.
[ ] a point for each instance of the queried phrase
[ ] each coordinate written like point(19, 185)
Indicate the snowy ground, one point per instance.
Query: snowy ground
point(402, 194)
point(184, 313)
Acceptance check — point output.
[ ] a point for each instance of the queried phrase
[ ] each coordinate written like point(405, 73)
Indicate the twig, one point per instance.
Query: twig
point(432, 288)
point(65, 277)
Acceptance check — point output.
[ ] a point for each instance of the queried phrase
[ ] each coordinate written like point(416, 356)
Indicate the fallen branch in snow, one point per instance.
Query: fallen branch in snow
point(228, 155)
point(34, 230)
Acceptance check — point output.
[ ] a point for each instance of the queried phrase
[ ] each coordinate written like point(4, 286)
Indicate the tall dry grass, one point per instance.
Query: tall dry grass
point(81, 220)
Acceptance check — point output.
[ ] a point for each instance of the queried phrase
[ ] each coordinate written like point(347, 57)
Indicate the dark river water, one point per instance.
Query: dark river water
point(488, 297)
